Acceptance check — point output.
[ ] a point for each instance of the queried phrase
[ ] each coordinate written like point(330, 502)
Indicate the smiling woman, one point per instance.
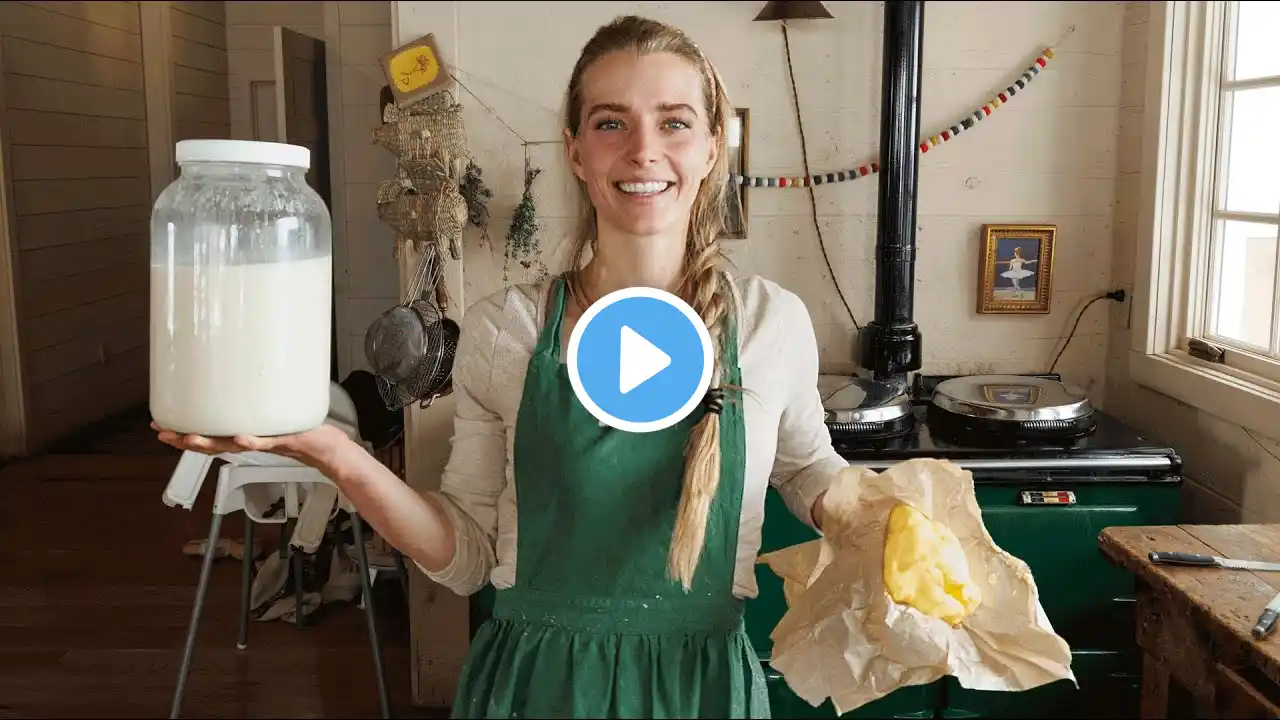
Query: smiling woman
point(621, 581)
point(636, 550)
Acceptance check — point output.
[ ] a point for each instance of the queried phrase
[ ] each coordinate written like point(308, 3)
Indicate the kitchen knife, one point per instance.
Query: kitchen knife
point(1267, 621)
point(1182, 558)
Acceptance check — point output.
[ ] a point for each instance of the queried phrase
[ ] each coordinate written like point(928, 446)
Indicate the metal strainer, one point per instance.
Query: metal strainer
point(410, 347)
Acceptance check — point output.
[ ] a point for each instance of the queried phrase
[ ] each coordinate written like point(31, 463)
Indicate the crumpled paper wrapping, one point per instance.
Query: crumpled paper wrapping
point(843, 637)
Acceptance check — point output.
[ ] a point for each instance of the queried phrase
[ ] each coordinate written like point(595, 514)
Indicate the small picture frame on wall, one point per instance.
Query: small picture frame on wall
point(416, 71)
point(735, 221)
point(1015, 269)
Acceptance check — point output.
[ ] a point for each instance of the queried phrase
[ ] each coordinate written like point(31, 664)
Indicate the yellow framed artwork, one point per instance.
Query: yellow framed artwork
point(1015, 269)
point(416, 71)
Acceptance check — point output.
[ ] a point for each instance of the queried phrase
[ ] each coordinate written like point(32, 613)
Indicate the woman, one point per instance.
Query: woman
point(621, 560)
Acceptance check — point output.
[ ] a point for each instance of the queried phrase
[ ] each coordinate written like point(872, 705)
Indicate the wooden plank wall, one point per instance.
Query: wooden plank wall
point(198, 48)
point(76, 127)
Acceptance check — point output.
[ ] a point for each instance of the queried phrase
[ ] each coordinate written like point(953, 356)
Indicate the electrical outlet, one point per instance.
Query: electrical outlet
point(1122, 312)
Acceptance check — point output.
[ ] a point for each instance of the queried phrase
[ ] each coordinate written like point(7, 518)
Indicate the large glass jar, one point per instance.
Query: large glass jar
point(241, 288)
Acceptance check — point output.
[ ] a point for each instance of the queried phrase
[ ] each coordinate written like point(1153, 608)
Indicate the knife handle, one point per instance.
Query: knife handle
point(1182, 558)
point(1266, 624)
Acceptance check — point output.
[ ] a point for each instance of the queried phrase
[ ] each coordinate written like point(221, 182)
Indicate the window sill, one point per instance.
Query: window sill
point(1252, 404)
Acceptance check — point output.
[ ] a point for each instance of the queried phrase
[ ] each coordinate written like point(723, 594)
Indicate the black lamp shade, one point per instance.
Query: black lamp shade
point(793, 10)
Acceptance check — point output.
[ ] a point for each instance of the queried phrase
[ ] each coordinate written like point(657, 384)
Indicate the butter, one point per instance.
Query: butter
point(925, 567)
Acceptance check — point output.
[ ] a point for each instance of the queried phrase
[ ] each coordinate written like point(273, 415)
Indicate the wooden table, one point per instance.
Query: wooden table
point(1193, 624)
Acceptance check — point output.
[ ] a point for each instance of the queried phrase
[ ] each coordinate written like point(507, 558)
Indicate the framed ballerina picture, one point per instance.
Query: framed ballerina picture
point(1015, 269)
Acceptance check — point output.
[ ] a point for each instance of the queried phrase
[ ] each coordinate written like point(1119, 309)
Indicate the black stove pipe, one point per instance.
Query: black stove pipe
point(891, 342)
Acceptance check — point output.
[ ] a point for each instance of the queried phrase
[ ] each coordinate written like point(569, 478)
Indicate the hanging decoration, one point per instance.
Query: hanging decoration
point(947, 134)
point(522, 237)
point(476, 194)
point(424, 203)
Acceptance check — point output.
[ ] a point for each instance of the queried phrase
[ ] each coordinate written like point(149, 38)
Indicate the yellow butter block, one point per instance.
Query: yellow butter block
point(925, 567)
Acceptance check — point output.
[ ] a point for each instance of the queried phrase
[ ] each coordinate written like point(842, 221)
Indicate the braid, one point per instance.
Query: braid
point(702, 460)
point(700, 285)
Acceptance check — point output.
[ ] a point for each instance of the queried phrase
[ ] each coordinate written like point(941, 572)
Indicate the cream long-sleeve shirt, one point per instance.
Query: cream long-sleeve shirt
point(788, 444)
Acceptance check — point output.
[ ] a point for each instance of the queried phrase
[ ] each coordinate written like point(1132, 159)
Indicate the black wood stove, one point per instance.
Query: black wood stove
point(1050, 469)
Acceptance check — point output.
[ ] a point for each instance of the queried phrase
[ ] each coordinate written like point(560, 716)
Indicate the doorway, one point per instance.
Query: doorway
point(294, 109)
point(302, 118)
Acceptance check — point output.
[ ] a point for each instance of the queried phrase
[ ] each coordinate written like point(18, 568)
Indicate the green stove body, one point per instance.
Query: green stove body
point(1045, 503)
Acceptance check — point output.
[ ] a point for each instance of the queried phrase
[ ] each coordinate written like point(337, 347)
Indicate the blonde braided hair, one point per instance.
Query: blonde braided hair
point(700, 282)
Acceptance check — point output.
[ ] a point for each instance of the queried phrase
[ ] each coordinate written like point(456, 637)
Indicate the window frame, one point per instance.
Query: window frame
point(1179, 186)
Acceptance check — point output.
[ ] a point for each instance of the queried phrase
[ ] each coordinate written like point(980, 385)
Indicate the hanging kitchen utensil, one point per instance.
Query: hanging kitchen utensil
point(410, 347)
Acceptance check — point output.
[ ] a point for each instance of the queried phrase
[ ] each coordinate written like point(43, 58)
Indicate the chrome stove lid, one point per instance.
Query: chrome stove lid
point(1011, 398)
point(848, 399)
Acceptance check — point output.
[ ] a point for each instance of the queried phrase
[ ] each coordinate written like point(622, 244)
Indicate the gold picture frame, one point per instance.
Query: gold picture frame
point(735, 220)
point(1015, 269)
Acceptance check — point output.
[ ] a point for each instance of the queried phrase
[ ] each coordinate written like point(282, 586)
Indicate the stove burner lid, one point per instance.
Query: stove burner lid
point(847, 399)
point(1012, 398)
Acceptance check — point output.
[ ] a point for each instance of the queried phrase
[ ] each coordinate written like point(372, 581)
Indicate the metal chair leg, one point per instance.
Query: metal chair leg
point(366, 586)
point(193, 628)
point(299, 617)
point(246, 582)
point(404, 574)
point(284, 539)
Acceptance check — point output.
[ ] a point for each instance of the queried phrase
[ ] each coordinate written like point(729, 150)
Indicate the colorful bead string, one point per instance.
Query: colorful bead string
point(862, 170)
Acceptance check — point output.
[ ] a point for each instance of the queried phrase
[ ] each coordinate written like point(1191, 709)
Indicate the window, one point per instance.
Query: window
point(1209, 241)
point(1240, 308)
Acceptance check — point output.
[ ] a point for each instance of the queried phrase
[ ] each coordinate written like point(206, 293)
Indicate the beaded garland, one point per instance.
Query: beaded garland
point(933, 141)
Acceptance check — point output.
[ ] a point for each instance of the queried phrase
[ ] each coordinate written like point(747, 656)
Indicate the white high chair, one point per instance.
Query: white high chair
point(241, 485)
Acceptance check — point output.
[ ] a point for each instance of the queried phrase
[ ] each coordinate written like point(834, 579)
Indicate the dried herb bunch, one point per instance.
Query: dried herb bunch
point(522, 237)
point(477, 195)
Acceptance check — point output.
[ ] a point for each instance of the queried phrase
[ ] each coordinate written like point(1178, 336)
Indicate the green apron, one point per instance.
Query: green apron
point(593, 627)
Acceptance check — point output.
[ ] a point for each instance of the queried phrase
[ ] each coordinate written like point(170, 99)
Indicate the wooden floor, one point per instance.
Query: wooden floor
point(96, 595)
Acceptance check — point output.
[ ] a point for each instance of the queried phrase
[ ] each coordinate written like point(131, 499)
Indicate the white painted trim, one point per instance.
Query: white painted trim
point(1179, 149)
point(277, 65)
point(422, 469)
point(438, 617)
point(13, 390)
point(338, 185)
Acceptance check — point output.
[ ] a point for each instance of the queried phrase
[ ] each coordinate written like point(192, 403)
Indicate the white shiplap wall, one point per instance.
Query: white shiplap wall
point(1049, 156)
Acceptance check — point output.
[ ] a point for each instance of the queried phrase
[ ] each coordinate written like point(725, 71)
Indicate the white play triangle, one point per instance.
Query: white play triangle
point(639, 361)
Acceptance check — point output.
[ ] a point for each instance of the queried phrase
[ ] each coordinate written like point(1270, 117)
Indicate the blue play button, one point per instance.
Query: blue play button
point(640, 359)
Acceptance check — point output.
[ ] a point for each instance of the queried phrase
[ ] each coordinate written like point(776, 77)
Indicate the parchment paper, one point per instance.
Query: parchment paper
point(843, 637)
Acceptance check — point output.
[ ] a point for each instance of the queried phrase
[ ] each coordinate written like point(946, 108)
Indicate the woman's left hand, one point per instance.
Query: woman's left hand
point(310, 447)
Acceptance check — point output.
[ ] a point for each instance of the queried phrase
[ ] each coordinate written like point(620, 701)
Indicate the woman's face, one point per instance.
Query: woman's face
point(644, 144)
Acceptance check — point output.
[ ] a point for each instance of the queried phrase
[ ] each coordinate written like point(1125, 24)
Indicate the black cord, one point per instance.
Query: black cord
point(813, 202)
point(1117, 295)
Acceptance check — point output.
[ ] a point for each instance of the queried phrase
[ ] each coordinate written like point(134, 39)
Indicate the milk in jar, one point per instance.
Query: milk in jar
point(241, 293)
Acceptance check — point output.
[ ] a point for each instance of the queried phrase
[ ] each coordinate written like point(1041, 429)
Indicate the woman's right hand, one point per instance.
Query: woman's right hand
point(315, 448)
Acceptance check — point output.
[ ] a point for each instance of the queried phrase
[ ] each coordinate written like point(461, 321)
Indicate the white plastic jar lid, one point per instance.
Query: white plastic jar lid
point(243, 151)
